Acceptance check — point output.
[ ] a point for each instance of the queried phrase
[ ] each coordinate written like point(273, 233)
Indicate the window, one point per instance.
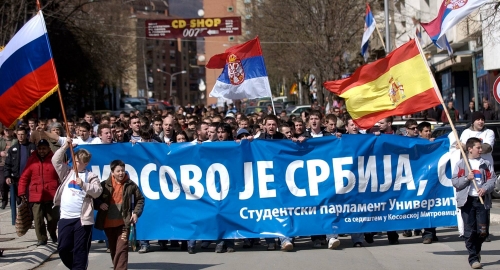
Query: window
point(172, 43)
point(172, 54)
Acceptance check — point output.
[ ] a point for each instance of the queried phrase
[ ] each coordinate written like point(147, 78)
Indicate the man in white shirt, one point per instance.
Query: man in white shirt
point(478, 130)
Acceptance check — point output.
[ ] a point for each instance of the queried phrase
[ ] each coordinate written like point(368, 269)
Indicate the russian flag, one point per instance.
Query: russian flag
point(244, 73)
point(450, 13)
point(27, 71)
point(369, 28)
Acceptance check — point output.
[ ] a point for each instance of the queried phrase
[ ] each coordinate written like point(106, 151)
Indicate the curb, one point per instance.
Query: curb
point(33, 258)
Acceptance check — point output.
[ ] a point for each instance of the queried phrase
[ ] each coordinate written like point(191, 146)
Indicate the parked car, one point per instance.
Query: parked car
point(254, 109)
point(297, 110)
point(495, 127)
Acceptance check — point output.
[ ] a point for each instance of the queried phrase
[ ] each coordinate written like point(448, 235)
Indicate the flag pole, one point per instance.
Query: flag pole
point(379, 35)
point(61, 103)
point(454, 130)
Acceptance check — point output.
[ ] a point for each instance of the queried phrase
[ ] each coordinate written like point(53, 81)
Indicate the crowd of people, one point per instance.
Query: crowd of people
point(33, 164)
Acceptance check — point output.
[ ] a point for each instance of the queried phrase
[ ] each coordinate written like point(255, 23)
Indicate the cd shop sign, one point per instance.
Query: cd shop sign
point(196, 27)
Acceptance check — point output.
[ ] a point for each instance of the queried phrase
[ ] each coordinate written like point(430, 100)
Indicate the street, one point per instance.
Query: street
point(448, 253)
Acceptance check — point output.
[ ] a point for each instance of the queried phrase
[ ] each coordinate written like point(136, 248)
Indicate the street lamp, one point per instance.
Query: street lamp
point(171, 77)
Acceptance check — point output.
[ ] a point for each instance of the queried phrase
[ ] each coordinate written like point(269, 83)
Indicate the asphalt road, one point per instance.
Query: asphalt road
point(448, 253)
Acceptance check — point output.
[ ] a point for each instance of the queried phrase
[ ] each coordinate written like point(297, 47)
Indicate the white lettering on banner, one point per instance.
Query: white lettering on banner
point(145, 187)
point(314, 178)
point(365, 175)
point(176, 189)
point(248, 172)
point(424, 204)
point(339, 175)
point(194, 182)
point(387, 174)
point(265, 178)
point(404, 167)
point(189, 182)
point(438, 214)
point(352, 208)
point(290, 178)
point(223, 180)
point(443, 179)
point(263, 214)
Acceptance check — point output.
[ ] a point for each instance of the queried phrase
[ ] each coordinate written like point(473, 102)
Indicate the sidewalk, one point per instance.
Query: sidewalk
point(25, 253)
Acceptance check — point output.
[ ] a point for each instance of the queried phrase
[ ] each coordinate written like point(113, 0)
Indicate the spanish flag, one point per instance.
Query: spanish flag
point(398, 84)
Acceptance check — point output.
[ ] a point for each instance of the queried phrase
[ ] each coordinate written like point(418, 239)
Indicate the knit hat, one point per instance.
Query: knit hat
point(477, 115)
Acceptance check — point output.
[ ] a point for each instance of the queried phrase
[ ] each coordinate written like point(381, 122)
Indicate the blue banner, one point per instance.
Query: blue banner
point(357, 183)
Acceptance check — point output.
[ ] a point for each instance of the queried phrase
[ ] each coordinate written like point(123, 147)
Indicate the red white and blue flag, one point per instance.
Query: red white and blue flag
point(27, 71)
point(369, 28)
point(244, 73)
point(450, 13)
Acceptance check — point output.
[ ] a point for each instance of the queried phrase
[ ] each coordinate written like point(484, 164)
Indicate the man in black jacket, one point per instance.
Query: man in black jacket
point(16, 160)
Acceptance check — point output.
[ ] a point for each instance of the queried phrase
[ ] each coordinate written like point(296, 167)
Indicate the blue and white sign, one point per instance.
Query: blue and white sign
point(357, 183)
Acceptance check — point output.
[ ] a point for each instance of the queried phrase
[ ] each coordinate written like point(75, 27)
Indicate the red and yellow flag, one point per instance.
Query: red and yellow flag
point(398, 84)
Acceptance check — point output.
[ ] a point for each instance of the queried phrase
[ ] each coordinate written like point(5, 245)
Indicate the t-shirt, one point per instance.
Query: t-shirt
point(474, 165)
point(485, 135)
point(79, 141)
point(72, 197)
point(314, 135)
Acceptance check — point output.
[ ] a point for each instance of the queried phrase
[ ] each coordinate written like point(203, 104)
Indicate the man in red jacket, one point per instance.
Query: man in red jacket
point(40, 179)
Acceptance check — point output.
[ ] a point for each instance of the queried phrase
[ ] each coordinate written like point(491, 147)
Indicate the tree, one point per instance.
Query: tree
point(312, 36)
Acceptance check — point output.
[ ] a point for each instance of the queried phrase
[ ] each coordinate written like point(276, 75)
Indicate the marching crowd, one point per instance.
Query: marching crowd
point(33, 162)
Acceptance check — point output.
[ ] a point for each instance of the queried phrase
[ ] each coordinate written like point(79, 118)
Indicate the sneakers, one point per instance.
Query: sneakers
point(487, 239)
point(219, 248)
point(271, 246)
point(144, 249)
point(287, 246)
point(333, 243)
point(230, 250)
point(358, 244)
point(417, 232)
point(476, 265)
point(108, 250)
point(407, 233)
point(427, 241)
point(317, 243)
point(41, 243)
point(191, 250)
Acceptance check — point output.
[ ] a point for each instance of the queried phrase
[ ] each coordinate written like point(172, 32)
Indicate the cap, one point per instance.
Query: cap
point(43, 142)
point(230, 115)
point(241, 132)
point(477, 115)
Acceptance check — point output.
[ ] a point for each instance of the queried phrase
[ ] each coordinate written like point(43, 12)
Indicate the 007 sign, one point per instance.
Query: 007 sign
point(198, 27)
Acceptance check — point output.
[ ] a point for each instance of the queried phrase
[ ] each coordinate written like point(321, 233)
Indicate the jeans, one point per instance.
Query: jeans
point(475, 218)
point(357, 237)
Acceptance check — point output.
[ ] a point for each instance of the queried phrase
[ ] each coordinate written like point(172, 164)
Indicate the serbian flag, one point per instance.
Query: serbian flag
point(369, 28)
point(399, 84)
point(244, 73)
point(27, 71)
point(450, 13)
